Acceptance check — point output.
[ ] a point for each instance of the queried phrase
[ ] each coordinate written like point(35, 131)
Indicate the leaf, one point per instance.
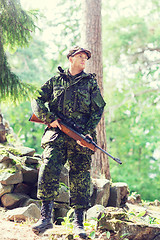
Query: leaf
point(125, 234)
point(141, 214)
point(108, 234)
point(96, 219)
point(132, 213)
point(101, 216)
point(92, 234)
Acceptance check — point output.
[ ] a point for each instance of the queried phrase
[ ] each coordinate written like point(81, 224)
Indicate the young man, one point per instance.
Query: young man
point(73, 95)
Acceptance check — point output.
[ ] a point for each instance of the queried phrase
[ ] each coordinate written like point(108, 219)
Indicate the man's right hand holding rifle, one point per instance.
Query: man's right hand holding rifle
point(57, 124)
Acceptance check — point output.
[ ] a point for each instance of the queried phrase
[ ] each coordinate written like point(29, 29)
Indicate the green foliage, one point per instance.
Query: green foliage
point(16, 26)
point(11, 88)
point(131, 58)
point(67, 221)
point(29, 133)
point(35, 64)
point(144, 216)
point(31, 63)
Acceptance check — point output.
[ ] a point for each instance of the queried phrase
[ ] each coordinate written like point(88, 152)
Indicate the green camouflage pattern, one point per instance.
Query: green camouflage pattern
point(55, 156)
point(78, 99)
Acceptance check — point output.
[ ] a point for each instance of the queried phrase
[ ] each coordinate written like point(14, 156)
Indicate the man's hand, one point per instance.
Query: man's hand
point(55, 124)
point(80, 143)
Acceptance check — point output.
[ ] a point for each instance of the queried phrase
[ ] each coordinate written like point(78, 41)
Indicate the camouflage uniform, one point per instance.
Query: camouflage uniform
point(78, 98)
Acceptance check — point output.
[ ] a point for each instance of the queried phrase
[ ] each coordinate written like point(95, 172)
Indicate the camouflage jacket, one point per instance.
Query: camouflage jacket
point(76, 97)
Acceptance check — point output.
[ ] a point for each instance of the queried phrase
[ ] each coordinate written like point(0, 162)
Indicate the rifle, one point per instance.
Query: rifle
point(85, 140)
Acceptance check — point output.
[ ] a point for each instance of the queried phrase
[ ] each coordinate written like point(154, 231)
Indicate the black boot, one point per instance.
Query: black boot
point(78, 223)
point(45, 222)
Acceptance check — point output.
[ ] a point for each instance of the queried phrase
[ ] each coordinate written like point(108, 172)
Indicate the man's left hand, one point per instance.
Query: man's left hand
point(80, 143)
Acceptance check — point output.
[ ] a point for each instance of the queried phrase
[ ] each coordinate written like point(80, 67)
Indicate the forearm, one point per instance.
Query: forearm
point(42, 112)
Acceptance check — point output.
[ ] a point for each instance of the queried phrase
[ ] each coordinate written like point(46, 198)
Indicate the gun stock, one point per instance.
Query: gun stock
point(87, 142)
point(34, 118)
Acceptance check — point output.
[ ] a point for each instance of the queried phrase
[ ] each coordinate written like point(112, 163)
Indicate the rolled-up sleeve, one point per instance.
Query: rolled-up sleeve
point(39, 106)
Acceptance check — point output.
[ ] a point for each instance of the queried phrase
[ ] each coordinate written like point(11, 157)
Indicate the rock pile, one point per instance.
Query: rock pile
point(125, 224)
point(19, 167)
point(18, 175)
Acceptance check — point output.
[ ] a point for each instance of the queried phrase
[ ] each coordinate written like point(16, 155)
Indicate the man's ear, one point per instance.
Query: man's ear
point(70, 59)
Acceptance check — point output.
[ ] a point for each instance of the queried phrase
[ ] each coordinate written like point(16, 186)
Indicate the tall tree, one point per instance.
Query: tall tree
point(15, 30)
point(16, 26)
point(91, 38)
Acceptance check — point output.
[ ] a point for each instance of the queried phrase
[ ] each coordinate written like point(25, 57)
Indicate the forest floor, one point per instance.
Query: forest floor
point(10, 230)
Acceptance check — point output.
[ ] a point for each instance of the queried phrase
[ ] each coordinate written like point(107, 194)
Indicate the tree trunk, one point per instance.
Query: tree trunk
point(91, 38)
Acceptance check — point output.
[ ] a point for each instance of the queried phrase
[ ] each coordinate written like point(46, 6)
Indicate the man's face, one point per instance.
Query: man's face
point(79, 61)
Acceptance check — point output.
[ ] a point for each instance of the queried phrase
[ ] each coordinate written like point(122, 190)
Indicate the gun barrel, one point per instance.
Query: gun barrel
point(115, 159)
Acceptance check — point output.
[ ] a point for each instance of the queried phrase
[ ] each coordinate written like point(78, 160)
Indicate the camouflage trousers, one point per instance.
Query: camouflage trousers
point(55, 155)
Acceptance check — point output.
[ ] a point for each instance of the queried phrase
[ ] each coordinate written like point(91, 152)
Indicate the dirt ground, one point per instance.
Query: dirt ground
point(10, 230)
point(22, 231)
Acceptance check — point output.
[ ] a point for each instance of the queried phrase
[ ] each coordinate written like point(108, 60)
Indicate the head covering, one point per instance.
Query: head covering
point(76, 50)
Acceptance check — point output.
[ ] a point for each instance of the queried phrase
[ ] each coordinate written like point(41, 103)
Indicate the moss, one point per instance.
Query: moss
point(14, 151)
point(9, 170)
point(4, 152)
point(7, 150)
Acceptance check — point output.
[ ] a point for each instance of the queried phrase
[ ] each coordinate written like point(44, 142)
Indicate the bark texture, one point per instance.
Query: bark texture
point(91, 38)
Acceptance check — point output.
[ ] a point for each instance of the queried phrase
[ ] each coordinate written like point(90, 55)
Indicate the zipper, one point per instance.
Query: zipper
point(75, 101)
point(64, 100)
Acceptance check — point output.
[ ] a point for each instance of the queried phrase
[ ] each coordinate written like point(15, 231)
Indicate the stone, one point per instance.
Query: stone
point(134, 198)
point(16, 159)
point(101, 192)
point(118, 222)
point(33, 192)
point(30, 175)
point(64, 192)
point(4, 157)
point(2, 133)
point(13, 200)
point(64, 176)
point(63, 196)
point(5, 189)
point(30, 200)
point(60, 211)
point(38, 156)
point(25, 151)
point(24, 213)
point(94, 213)
point(22, 188)
point(155, 203)
point(7, 163)
point(31, 160)
point(118, 194)
point(7, 178)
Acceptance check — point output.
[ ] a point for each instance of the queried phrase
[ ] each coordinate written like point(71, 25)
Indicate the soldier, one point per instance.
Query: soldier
point(73, 95)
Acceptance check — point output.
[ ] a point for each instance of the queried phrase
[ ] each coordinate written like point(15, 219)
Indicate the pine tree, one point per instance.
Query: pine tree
point(16, 27)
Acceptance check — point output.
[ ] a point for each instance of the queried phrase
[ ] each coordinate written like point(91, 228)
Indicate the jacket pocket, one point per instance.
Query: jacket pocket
point(83, 100)
point(57, 91)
